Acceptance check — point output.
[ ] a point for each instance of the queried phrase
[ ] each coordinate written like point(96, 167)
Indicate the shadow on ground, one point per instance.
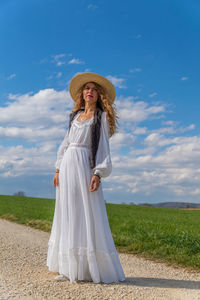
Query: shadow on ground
point(162, 283)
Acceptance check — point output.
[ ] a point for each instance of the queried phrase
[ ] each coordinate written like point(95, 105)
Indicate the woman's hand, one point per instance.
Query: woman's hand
point(55, 179)
point(95, 183)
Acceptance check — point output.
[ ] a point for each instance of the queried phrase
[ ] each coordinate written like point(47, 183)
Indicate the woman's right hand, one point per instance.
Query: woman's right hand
point(56, 179)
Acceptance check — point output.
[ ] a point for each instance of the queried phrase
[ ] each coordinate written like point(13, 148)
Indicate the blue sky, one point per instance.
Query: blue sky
point(148, 49)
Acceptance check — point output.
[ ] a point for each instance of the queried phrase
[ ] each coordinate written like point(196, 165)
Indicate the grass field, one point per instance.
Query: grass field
point(169, 235)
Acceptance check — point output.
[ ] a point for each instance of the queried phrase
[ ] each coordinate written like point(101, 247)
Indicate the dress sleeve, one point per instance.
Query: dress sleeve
point(103, 160)
point(61, 150)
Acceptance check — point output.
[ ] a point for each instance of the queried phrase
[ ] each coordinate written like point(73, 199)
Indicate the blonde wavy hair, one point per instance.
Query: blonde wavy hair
point(103, 103)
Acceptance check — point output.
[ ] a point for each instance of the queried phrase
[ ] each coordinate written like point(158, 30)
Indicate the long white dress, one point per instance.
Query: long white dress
point(81, 245)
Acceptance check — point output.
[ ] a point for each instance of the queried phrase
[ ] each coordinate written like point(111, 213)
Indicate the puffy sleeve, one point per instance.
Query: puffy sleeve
point(103, 160)
point(61, 150)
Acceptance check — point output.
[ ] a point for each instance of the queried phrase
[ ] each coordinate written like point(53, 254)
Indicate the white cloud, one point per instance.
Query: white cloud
point(11, 76)
point(76, 61)
point(59, 59)
point(87, 70)
point(121, 139)
point(49, 77)
point(185, 128)
point(169, 122)
point(159, 175)
point(46, 107)
point(174, 129)
point(157, 140)
point(39, 119)
point(138, 36)
point(31, 134)
point(92, 6)
point(135, 70)
point(184, 78)
point(196, 191)
point(152, 95)
point(137, 111)
point(59, 74)
point(118, 82)
point(140, 130)
point(18, 160)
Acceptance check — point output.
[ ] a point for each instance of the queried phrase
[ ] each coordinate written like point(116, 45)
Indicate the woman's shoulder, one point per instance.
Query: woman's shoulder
point(103, 114)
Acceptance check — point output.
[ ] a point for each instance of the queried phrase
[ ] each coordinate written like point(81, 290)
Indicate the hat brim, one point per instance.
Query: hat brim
point(79, 80)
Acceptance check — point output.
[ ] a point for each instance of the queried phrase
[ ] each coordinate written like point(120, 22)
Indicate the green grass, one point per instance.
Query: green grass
point(34, 212)
point(169, 235)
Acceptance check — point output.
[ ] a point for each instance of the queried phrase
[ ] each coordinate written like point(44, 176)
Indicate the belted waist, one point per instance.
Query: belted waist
point(79, 145)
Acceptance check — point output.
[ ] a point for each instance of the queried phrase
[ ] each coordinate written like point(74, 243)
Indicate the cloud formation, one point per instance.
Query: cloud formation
point(92, 6)
point(118, 82)
point(59, 59)
point(11, 76)
point(138, 36)
point(146, 161)
point(76, 61)
point(135, 70)
point(138, 111)
point(152, 95)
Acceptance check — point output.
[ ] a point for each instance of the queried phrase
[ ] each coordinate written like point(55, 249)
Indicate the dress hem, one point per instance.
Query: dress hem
point(81, 263)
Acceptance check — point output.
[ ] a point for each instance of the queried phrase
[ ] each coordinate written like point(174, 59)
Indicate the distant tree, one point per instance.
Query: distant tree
point(132, 203)
point(20, 193)
point(188, 206)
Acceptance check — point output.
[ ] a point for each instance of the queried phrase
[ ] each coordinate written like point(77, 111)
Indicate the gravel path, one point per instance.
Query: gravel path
point(24, 275)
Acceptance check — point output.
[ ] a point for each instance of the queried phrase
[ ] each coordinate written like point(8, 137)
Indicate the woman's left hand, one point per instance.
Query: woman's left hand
point(95, 183)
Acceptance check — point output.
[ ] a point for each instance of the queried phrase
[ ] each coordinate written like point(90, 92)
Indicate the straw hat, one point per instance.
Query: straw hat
point(79, 80)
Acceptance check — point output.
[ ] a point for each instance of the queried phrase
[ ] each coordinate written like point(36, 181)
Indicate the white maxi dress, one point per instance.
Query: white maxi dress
point(81, 245)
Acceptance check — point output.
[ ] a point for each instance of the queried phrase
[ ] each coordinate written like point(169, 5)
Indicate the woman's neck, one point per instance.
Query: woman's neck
point(90, 108)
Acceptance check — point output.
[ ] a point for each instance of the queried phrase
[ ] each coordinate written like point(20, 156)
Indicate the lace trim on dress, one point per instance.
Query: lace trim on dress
point(85, 122)
point(84, 250)
point(77, 260)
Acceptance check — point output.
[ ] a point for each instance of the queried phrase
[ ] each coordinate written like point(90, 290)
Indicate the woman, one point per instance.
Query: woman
point(81, 245)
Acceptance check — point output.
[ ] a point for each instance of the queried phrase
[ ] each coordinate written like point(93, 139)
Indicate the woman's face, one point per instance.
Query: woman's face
point(90, 93)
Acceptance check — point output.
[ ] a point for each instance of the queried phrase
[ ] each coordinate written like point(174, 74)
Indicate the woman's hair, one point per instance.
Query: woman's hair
point(103, 103)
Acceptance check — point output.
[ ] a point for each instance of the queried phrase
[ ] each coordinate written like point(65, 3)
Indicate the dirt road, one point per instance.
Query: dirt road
point(24, 275)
